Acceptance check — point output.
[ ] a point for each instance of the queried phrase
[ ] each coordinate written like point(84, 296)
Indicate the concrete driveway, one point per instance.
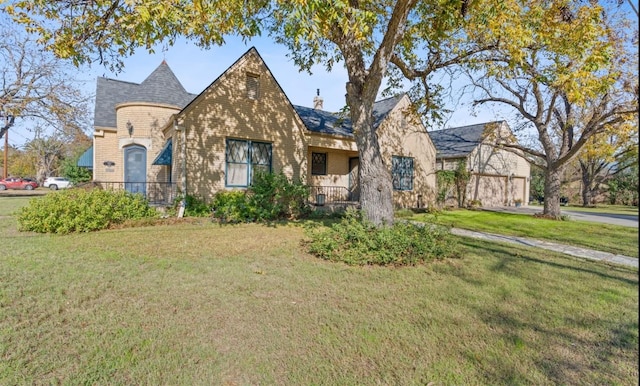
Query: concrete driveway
point(626, 220)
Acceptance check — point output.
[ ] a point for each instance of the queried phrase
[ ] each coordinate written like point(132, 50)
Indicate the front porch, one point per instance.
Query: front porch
point(333, 178)
point(333, 197)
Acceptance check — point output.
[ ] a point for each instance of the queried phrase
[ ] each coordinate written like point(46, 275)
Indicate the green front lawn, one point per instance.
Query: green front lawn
point(198, 303)
point(614, 209)
point(602, 237)
point(600, 208)
point(9, 205)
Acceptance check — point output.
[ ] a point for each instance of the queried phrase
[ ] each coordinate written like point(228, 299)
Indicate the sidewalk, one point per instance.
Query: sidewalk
point(566, 249)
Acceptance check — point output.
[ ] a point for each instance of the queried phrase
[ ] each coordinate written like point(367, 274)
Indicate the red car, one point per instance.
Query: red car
point(17, 183)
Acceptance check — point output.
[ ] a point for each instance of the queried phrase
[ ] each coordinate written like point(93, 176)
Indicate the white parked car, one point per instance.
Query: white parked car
point(55, 183)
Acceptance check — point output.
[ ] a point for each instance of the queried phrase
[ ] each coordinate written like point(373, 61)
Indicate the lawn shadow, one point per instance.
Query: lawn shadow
point(567, 352)
point(512, 252)
point(565, 346)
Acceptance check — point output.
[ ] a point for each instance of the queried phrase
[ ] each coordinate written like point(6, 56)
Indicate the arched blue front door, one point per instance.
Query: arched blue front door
point(135, 169)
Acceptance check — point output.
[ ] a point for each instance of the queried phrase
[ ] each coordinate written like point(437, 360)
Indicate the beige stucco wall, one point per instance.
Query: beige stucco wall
point(491, 162)
point(337, 168)
point(105, 148)
point(402, 134)
point(224, 111)
point(148, 120)
point(318, 140)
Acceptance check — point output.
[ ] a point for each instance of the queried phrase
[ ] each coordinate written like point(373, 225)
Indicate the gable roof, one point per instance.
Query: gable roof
point(457, 142)
point(161, 86)
point(250, 51)
point(320, 121)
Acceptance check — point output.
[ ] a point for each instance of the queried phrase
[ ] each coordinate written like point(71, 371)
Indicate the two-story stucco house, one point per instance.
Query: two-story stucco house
point(498, 176)
point(155, 138)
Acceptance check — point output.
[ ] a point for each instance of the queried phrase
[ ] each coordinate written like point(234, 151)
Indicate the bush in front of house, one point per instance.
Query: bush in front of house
point(272, 196)
point(232, 207)
point(79, 210)
point(356, 241)
point(194, 206)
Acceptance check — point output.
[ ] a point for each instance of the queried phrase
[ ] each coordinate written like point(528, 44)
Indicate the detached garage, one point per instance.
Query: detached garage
point(490, 190)
point(498, 176)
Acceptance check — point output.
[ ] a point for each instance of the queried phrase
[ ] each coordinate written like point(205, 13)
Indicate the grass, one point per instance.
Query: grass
point(198, 303)
point(614, 209)
point(9, 205)
point(600, 208)
point(603, 237)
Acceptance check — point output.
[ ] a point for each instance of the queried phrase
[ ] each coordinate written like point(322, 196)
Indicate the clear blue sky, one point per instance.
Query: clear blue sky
point(196, 68)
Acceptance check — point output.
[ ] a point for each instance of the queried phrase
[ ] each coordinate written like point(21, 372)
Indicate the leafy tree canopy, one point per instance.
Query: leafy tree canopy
point(401, 39)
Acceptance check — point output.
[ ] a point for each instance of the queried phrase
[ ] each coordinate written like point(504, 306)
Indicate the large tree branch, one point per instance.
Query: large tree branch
point(433, 64)
point(393, 34)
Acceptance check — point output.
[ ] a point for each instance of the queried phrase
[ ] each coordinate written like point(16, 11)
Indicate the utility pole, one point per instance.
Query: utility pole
point(8, 122)
point(6, 153)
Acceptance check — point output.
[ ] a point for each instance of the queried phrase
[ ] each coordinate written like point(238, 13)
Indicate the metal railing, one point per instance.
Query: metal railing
point(332, 195)
point(157, 193)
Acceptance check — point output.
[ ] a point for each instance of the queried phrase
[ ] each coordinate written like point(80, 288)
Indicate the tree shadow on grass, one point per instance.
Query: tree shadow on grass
point(575, 352)
point(597, 344)
point(511, 253)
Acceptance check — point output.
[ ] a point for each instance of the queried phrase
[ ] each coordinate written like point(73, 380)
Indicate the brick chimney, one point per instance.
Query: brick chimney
point(317, 101)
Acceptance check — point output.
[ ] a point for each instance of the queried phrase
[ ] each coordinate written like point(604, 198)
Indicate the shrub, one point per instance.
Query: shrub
point(232, 207)
point(475, 204)
point(78, 210)
point(275, 197)
point(73, 172)
point(194, 206)
point(271, 197)
point(404, 213)
point(357, 242)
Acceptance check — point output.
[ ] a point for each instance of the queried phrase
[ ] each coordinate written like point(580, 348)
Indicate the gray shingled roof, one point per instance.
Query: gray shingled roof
point(162, 86)
point(457, 141)
point(321, 121)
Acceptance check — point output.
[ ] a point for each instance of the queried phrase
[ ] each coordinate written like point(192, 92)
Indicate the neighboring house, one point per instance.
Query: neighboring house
point(498, 176)
point(243, 122)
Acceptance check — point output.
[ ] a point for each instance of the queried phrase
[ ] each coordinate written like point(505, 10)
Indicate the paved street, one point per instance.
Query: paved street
point(606, 218)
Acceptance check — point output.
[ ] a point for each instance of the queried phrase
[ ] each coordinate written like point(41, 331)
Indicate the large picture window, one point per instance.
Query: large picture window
point(402, 173)
point(319, 164)
point(244, 158)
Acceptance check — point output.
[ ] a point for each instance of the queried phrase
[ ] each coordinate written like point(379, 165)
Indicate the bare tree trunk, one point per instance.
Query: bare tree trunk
point(587, 182)
point(376, 186)
point(376, 194)
point(552, 183)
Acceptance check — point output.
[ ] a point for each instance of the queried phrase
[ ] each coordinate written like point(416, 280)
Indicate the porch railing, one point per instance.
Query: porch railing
point(157, 193)
point(332, 195)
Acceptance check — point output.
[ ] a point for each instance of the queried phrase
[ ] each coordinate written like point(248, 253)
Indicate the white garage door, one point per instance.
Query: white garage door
point(518, 186)
point(490, 190)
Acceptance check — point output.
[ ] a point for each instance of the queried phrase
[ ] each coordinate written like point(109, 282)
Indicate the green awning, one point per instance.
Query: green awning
point(164, 158)
point(86, 159)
